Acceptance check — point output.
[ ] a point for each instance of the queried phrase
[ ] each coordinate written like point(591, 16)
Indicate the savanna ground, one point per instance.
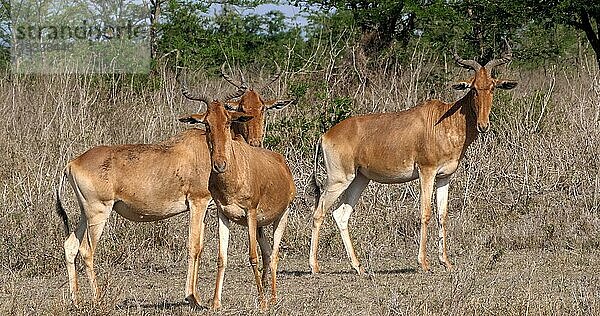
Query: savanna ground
point(524, 205)
point(519, 283)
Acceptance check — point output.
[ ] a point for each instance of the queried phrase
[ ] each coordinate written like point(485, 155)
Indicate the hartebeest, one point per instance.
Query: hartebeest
point(148, 182)
point(247, 104)
point(251, 186)
point(425, 142)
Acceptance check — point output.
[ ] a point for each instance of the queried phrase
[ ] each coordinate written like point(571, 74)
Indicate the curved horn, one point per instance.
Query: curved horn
point(274, 77)
point(228, 107)
point(469, 64)
point(186, 93)
point(228, 78)
point(240, 91)
point(506, 57)
point(243, 84)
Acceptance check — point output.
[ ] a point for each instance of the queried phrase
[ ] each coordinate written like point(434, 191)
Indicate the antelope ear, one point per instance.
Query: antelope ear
point(192, 119)
point(240, 117)
point(505, 84)
point(461, 86)
point(278, 104)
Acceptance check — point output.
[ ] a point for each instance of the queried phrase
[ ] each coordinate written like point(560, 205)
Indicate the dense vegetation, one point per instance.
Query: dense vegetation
point(208, 32)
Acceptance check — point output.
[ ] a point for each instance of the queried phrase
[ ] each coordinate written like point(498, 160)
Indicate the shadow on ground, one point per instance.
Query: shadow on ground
point(164, 305)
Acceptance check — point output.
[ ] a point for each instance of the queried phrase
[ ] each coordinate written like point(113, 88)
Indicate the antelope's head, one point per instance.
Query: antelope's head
point(253, 105)
point(217, 121)
point(482, 86)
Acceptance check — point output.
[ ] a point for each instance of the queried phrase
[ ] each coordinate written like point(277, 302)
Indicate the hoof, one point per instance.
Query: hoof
point(215, 305)
point(263, 306)
point(447, 265)
point(360, 270)
point(193, 302)
point(315, 269)
point(74, 306)
point(422, 260)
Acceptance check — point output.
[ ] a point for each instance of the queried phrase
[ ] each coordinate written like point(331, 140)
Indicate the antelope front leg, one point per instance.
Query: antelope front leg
point(426, 178)
point(222, 261)
point(442, 209)
point(252, 229)
point(195, 246)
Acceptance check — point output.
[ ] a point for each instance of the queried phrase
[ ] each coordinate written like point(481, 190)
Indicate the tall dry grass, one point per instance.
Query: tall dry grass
point(533, 182)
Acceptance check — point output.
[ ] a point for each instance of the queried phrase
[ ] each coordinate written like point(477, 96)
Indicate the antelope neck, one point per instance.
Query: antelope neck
point(228, 180)
point(461, 116)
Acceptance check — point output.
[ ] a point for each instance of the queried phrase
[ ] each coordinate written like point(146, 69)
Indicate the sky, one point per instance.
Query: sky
point(295, 17)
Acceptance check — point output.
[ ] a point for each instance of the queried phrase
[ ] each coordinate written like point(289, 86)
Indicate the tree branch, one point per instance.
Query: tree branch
point(575, 24)
point(592, 37)
point(588, 29)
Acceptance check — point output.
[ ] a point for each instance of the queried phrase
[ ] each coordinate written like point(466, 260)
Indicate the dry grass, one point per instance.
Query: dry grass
point(524, 205)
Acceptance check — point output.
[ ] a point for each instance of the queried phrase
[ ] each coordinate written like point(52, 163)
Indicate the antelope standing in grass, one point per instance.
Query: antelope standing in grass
point(149, 182)
point(251, 186)
point(426, 142)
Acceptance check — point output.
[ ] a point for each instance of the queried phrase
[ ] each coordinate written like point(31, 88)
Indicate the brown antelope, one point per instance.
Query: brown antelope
point(251, 186)
point(148, 182)
point(425, 142)
point(248, 104)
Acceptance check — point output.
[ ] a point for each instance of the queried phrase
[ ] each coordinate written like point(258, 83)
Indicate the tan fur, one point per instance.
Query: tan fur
point(425, 142)
point(144, 182)
point(252, 104)
point(149, 182)
point(252, 187)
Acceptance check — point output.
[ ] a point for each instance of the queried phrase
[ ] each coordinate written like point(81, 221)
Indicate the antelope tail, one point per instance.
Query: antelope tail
point(60, 210)
point(316, 185)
